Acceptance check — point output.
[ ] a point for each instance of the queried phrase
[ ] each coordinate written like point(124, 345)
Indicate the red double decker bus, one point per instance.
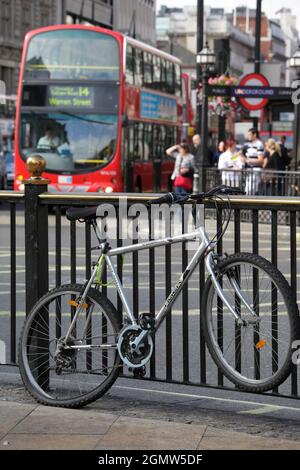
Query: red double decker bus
point(100, 107)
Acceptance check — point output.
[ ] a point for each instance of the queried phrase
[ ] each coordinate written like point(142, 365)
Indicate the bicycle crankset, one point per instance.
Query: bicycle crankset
point(132, 355)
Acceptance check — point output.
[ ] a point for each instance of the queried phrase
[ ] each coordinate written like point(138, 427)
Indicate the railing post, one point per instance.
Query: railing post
point(36, 233)
point(36, 262)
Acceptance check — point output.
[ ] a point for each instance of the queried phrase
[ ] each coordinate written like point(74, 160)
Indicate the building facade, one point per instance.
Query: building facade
point(273, 45)
point(16, 18)
point(288, 23)
point(134, 17)
point(179, 26)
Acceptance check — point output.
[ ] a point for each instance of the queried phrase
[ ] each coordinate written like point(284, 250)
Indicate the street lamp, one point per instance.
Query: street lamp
point(295, 65)
point(206, 58)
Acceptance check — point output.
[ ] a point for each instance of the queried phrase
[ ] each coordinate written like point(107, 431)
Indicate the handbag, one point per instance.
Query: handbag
point(185, 182)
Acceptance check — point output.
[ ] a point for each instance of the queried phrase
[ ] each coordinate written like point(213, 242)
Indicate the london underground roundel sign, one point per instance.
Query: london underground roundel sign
point(254, 80)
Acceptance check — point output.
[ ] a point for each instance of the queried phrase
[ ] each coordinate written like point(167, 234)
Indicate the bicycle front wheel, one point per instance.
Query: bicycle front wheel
point(88, 366)
point(256, 353)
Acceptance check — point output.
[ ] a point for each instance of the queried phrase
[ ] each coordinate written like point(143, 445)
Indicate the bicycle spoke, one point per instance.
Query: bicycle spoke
point(67, 379)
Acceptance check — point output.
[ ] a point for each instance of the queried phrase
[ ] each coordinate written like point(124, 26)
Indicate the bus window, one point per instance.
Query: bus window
point(148, 141)
point(130, 65)
point(171, 136)
point(163, 75)
point(178, 80)
point(148, 69)
point(73, 54)
point(170, 79)
point(159, 141)
point(138, 141)
point(138, 67)
point(156, 72)
point(69, 142)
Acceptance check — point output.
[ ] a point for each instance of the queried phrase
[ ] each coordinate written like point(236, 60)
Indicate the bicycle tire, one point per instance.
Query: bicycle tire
point(32, 386)
point(292, 311)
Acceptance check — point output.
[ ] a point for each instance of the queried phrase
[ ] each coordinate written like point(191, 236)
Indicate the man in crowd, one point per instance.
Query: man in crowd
point(253, 152)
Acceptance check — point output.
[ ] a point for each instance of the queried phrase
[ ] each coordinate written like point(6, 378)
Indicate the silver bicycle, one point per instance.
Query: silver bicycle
point(73, 343)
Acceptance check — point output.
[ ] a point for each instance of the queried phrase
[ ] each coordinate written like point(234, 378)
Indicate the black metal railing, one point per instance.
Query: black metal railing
point(58, 251)
point(256, 181)
point(12, 292)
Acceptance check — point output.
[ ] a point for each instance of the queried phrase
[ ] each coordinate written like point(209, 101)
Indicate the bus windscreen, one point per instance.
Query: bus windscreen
point(70, 143)
point(72, 54)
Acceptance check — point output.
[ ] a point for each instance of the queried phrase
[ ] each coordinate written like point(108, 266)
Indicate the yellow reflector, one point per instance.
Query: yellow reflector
point(261, 344)
point(73, 303)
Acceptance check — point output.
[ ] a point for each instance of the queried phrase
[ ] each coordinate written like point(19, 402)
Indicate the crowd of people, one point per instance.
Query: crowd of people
point(259, 162)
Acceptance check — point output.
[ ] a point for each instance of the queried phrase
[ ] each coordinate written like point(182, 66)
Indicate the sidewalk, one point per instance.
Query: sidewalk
point(30, 426)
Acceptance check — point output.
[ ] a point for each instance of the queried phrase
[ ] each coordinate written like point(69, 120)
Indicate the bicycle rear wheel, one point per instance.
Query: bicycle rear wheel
point(78, 376)
point(255, 356)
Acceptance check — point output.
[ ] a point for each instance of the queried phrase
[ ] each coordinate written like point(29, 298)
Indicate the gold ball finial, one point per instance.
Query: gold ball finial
point(36, 165)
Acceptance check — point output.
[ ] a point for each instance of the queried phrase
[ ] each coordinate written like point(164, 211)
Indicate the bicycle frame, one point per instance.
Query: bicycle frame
point(206, 248)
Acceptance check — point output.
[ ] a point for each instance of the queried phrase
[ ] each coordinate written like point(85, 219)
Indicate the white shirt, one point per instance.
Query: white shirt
point(47, 143)
point(226, 162)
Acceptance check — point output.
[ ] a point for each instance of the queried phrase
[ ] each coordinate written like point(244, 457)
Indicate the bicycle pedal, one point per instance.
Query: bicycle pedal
point(147, 321)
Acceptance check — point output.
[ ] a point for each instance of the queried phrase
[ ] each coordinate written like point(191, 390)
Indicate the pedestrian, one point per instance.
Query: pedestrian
point(196, 148)
point(216, 155)
point(253, 151)
point(271, 181)
point(284, 151)
point(183, 173)
point(230, 163)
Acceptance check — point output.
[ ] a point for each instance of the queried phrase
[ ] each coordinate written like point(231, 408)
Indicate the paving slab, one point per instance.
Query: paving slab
point(136, 433)
point(49, 442)
point(49, 420)
point(13, 413)
point(220, 439)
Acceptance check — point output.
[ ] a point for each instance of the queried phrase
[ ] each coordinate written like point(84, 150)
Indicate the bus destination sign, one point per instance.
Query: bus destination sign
point(71, 96)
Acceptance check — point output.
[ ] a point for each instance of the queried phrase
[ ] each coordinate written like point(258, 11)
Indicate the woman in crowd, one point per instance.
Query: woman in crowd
point(183, 173)
point(230, 162)
point(216, 155)
point(271, 183)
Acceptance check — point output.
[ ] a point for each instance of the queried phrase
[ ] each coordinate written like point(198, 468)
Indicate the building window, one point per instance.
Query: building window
point(26, 17)
point(5, 17)
point(45, 17)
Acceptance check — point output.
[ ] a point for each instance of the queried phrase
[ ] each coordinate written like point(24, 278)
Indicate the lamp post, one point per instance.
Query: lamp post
point(295, 65)
point(200, 35)
point(205, 59)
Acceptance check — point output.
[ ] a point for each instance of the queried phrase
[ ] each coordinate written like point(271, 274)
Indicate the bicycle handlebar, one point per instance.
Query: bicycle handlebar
point(173, 198)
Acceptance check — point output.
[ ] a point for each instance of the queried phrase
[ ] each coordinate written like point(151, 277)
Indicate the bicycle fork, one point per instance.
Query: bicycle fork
point(210, 267)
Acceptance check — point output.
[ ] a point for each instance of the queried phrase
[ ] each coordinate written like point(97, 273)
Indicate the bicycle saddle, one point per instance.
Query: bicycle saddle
point(81, 213)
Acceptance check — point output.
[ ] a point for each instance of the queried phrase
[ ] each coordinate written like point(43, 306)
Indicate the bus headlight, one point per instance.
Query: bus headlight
point(109, 189)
